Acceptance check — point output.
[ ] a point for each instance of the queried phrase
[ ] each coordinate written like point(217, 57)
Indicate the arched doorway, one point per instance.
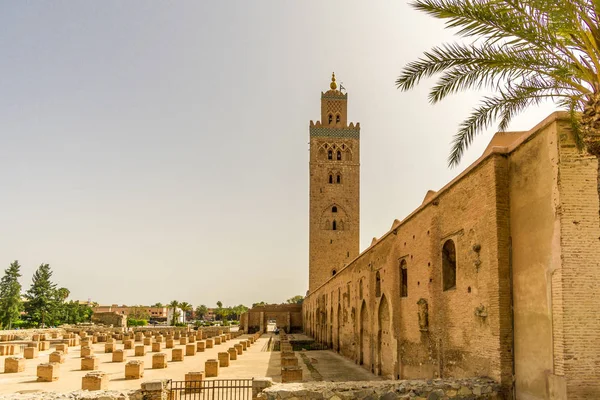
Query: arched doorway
point(364, 333)
point(383, 338)
point(330, 338)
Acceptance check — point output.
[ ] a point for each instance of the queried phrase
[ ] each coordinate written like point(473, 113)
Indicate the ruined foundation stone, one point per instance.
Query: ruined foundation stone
point(217, 340)
point(193, 381)
point(183, 340)
point(62, 347)
point(140, 351)
point(96, 380)
point(86, 351)
point(128, 344)
point(30, 353)
point(57, 357)
point(232, 353)
point(177, 355)
point(89, 363)
point(48, 372)
point(156, 346)
point(159, 361)
point(211, 368)
point(291, 374)
point(134, 369)
point(119, 355)
point(109, 347)
point(14, 364)
point(170, 344)
point(190, 349)
point(223, 359)
point(289, 361)
point(209, 343)
point(238, 348)
point(200, 346)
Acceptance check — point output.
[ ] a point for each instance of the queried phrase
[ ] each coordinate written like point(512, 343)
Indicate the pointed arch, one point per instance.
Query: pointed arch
point(384, 358)
point(363, 339)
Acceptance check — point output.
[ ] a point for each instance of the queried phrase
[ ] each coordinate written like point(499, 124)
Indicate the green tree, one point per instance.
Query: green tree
point(201, 311)
point(219, 310)
point(174, 305)
point(262, 303)
point(186, 308)
point(138, 312)
point(295, 300)
point(157, 305)
point(527, 52)
point(41, 297)
point(10, 295)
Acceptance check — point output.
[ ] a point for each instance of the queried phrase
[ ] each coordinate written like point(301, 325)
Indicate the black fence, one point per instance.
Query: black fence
point(220, 389)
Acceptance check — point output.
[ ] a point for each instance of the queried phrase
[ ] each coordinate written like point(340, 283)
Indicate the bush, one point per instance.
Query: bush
point(136, 322)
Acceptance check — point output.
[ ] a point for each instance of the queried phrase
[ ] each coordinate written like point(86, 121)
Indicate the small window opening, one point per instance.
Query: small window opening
point(337, 119)
point(377, 284)
point(330, 119)
point(330, 178)
point(333, 272)
point(334, 209)
point(403, 279)
point(360, 289)
point(330, 155)
point(339, 155)
point(339, 179)
point(334, 225)
point(343, 146)
point(449, 265)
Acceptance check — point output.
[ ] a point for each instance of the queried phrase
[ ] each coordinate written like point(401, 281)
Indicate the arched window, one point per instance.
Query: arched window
point(377, 284)
point(337, 119)
point(339, 178)
point(333, 272)
point(449, 265)
point(334, 209)
point(403, 279)
point(330, 119)
point(334, 226)
point(330, 178)
point(330, 155)
point(339, 155)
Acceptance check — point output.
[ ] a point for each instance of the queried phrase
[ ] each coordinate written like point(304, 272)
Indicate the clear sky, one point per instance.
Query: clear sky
point(152, 151)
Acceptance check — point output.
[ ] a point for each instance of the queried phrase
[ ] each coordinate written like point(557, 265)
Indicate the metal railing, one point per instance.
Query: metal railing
point(219, 389)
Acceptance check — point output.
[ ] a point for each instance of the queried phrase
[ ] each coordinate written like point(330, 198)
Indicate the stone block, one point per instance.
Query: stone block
point(109, 347)
point(14, 364)
point(160, 339)
point(147, 341)
point(239, 348)
point(57, 357)
point(159, 361)
point(190, 349)
point(140, 351)
point(199, 335)
point(291, 374)
point(96, 380)
point(43, 346)
point(62, 347)
point(223, 359)
point(119, 355)
point(209, 343)
point(211, 368)
point(244, 345)
point(176, 335)
point(200, 346)
point(177, 355)
point(232, 353)
point(193, 381)
point(289, 361)
point(217, 340)
point(89, 363)
point(139, 337)
point(128, 344)
point(30, 353)
point(156, 346)
point(183, 340)
point(48, 372)
point(86, 351)
point(248, 344)
point(134, 369)
point(170, 343)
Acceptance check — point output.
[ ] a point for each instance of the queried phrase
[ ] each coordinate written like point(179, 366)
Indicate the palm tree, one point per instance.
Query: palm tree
point(527, 52)
point(174, 305)
point(185, 308)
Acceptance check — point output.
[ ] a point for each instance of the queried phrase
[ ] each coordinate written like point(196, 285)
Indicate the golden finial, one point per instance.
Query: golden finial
point(333, 85)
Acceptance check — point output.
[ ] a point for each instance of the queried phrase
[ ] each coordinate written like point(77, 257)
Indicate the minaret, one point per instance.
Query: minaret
point(334, 188)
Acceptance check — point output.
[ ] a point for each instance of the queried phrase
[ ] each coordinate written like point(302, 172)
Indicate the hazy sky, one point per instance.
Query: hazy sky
point(152, 151)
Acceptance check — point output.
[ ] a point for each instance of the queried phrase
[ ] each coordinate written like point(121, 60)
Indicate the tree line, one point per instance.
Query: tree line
point(42, 305)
